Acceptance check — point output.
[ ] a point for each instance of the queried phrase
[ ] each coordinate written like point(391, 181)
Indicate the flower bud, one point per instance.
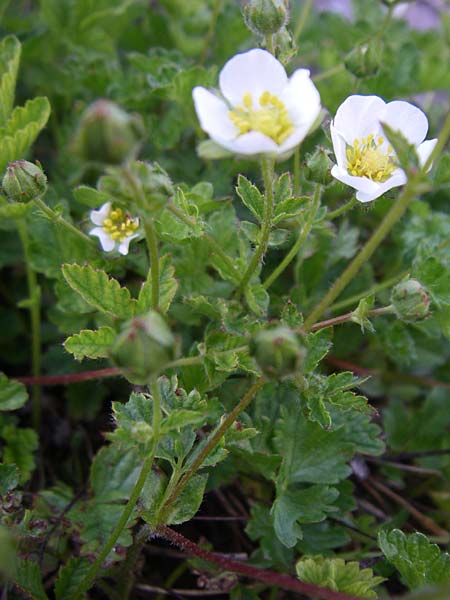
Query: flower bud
point(266, 17)
point(108, 134)
point(365, 60)
point(155, 183)
point(143, 348)
point(24, 181)
point(278, 352)
point(318, 167)
point(410, 300)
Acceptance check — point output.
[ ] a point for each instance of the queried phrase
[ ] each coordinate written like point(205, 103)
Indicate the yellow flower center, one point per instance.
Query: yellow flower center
point(271, 119)
point(367, 158)
point(119, 225)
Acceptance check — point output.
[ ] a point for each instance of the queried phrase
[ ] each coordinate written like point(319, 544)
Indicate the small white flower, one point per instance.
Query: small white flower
point(365, 159)
point(260, 110)
point(114, 228)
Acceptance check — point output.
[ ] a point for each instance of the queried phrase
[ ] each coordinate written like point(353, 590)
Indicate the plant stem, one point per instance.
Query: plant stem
point(269, 44)
point(396, 212)
point(60, 220)
point(342, 209)
point(328, 73)
point(152, 246)
point(209, 238)
point(296, 185)
point(300, 240)
point(303, 19)
point(210, 444)
point(376, 312)
point(89, 578)
point(34, 300)
point(209, 33)
point(127, 575)
point(373, 290)
point(267, 169)
point(442, 141)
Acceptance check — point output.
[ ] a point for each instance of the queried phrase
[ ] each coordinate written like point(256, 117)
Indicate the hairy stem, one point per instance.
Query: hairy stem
point(210, 32)
point(60, 220)
point(88, 580)
point(307, 6)
point(300, 240)
point(342, 209)
point(209, 445)
point(267, 169)
point(376, 312)
point(34, 306)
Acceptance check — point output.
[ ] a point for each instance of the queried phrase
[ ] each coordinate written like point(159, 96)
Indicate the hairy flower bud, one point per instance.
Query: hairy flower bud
point(107, 134)
point(410, 300)
point(24, 181)
point(278, 352)
point(318, 167)
point(266, 17)
point(365, 60)
point(143, 348)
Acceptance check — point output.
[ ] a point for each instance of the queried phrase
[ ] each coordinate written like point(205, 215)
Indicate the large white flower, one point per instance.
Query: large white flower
point(365, 159)
point(114, 228)
point(260, 110)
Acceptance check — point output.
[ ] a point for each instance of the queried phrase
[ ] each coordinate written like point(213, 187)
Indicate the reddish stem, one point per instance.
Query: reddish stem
point(70, 378)
point(272, 578)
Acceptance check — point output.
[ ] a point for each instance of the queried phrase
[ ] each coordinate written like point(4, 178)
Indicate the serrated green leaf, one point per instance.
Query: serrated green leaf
point(188, 502)
point(257, 298)
point(99, 290)
point(9, 478)
point(361, 313)
point(70, 576)
point(289, 208)
point(91, 344)
point(89, 196)
point(418, 560)
point(10, 50)
point(28, 580)
point(405, 151)
point(114, 472)
point(22, 129)
point(168, 286)
point(251, 197)
point(13, 394)
point(338, 575)
point(19, 449)
point(318, 344)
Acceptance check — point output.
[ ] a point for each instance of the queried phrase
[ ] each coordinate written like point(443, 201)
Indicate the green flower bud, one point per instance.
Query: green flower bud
point(318, 167)
point(143, 348)
point(278, 352)
point(365, 60)
point(157, 187)
point(410, 300)
point(107, 134)
point(24, 181)
point(266, 17)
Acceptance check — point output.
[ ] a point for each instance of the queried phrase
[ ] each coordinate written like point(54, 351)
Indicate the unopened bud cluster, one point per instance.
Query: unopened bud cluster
point(266, 17)
point(410, 300)
point(24, 181)
point(318, 167)
point(365, 60)
point(278, 352)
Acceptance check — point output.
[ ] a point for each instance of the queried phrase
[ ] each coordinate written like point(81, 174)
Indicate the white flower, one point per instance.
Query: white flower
point(113, 228)
point(260, 110)
point(365, 159)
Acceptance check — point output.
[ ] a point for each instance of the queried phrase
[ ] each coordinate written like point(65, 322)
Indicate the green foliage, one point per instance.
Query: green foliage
point(28, 580)
point(13, 394)
point(10, 50)
point(70, 576)
point(338, 575)
point(418, 561)
point(90, 344)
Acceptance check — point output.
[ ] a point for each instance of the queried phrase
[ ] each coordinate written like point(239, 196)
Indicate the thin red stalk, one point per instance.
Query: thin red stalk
point(270, 577)
point(70, 377)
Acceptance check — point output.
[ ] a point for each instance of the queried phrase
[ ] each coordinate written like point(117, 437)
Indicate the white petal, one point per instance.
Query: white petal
point(396, 180)
point(125, 244)
point(98, 216)
point(251, 144)
point(212, 113)
point(408, 119)
point(424, 151)
point(105, 240)
point(339, 147)
point(295, 138)
point(302, 99)
point(363, 184)
point(254, 71)
point(358, 116)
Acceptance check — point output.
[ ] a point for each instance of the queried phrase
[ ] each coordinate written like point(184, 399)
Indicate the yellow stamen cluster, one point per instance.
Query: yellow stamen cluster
point(366, 158)
point(272, 119)
point(119, 225)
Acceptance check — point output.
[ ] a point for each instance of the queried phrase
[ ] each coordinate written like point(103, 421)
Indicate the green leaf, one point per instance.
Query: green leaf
point(8, 552)
point(114, 472)
point(28, 580)
point(289, 208)
point(418, 560)
point(10, 50)
point(251, 197)
point(188, 502)
point(361, 313)
point(99, 290)
point(257, 298)
point(13, 394)
point(168, 286)
point(70, 576)
point(22, 128)
point(319, 344)
point(338, 575)
point(19, 449)
point(89, 196)
point(15, 211)
point(9, 478)
point(91, 344)
point(406, 152)
point(308, 505)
